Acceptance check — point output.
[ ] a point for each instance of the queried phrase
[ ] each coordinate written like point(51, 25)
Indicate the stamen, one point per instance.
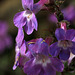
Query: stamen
point(31, 43)
point(64, 44)
point(43, 41)
point(29, 15)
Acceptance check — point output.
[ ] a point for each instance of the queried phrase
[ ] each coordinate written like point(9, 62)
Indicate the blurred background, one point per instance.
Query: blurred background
point(47, 26)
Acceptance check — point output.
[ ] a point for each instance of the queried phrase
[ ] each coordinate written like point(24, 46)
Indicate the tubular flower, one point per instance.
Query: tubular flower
point(27, 17)
point(20, 47)
point(65, 45)
point(41, 63)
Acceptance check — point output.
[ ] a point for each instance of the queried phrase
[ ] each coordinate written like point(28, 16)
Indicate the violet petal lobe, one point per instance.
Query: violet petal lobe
point(64, 54)
point(73, 48)
point(54, 49)
point(42, 72)
point(49, 70)
point(23, 48)
point(73, 39)
point(28, 27)
point(27, 4)
point(34, 22)
point(35, 47)
point(31, 69)
point(60, 34)
point(22, 60)
point(37, 7)
point(19, 19)
point(57, 64)
point(70, 34)
point(43, 49)
point(20, 37)
point(16, 57)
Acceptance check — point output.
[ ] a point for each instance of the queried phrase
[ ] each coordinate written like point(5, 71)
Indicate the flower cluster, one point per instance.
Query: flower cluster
point(39, 56)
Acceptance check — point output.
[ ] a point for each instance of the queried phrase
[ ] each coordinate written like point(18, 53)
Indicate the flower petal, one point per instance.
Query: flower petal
point(19, 19)
point(49, 70)
point(35, 47)
point(27, 4)
point(71, 58)
point(23, 48)
point(73, 39)
point(73, 48)
point(64, 54)
point(42, 72)
point(20, 37)
point(43, 48)
point(29, 28)
point(39, 5)
point(70, 34)
point(58, 65)
point(34, 22)
point(22, 61)
point(60, 34)
point(54, 49)
point(31, 69)
point(17, 50)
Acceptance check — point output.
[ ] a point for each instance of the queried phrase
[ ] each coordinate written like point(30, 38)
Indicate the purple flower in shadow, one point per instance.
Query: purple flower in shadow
point(41, 63)
point(65, 45)
point(5, 39)
point(69, 12)
point(52, 18)
point(36, 59)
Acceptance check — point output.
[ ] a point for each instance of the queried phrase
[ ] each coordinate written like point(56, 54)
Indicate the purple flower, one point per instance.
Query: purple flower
point(69, 13)
point(40, 5)
point(5, 39)
point(65, 45)
point(41, 63)
point(27, 17)
point(53, 18)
